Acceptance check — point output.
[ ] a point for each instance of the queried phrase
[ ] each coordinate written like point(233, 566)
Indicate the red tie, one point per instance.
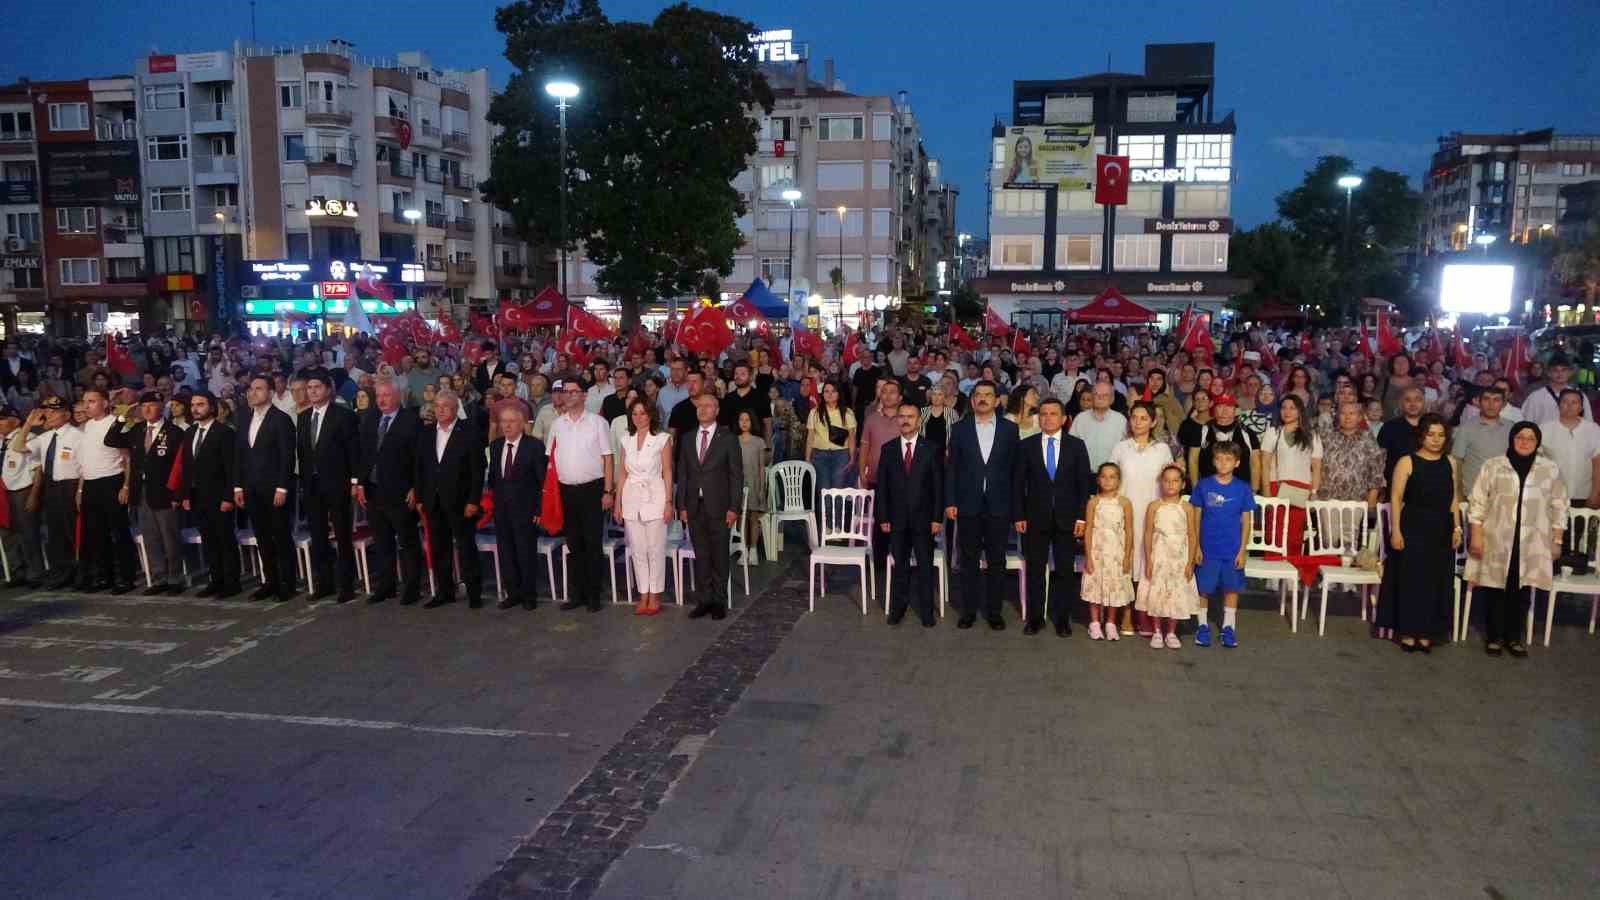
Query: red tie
point(705, 437)
point(908, 457)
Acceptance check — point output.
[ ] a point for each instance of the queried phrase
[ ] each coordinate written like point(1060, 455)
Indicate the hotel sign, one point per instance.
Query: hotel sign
point(775, 46)
point(1188, 226)
point(1190, 173)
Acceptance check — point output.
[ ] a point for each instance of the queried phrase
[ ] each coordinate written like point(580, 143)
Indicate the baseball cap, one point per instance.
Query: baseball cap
point(1223, 399)
point(53, 403)
point(149, 397)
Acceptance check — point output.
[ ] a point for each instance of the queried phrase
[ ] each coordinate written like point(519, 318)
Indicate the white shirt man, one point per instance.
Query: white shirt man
point(1574, 446)
point(68, 441)
point(441, 438)
point(1544, 404)
point(580, 443)
point(1101, 428)
point(98, 460)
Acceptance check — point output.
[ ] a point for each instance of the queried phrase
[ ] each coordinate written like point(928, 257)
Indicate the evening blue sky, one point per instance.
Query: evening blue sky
point(1375, 81)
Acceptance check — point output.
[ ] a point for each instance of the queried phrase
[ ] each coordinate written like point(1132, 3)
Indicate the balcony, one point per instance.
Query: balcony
point(506, 233)
point(433, 174)
point(207, 215)
point(512, 275)
point(329, 160)
point(106, 130)
point(213, 117)
point(16, 137)
point(429, 131)
point(216, 169)
point(19, 192)
point(435, 264)
point(461, 225)
point(458, 140)
point(461, 270)
point(123, 241)
point(327, 112)
point(388, 126)
point(135, 276)
point(437, 220)
point(461, 183)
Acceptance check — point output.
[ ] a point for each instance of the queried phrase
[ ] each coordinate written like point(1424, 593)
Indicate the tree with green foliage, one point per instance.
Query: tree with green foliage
point(1281, 267)
point(966, 305)
point(1577, 263)
point(663, 124)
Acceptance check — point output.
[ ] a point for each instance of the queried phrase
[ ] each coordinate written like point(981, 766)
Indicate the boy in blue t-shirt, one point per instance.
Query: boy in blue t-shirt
point(1225, 505)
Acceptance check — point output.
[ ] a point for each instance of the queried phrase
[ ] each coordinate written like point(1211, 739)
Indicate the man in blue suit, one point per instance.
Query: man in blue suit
point(977, 484)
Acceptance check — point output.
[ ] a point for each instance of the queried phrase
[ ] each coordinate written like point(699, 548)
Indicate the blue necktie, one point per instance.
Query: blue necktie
point(1050, 458)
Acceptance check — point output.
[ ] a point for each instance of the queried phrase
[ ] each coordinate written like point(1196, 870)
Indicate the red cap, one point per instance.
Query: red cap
point(1223, 398)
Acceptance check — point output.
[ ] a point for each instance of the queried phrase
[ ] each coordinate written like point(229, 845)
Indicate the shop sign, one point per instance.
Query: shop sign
point(1175, 287)
point(280, 271)
point(1188, 173)
point(331, 289)
point(1188, 226)
point(1038, 287)
point(19, 262)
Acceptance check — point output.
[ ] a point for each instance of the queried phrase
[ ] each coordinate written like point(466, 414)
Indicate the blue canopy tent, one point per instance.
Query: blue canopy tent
point(769, 304)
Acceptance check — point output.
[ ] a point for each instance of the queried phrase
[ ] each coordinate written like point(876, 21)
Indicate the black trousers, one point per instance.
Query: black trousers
point(985, 536)
point(584, 530)
point(273, 539)
point(519, 557)
point(60, 514)
point(1037, 543)
point(915, 586)
point(394, 543)
point(454, 539)
point(219, 541)
point(328, 507)
point(1505, 613)
point(107, 551)
point(708, 533)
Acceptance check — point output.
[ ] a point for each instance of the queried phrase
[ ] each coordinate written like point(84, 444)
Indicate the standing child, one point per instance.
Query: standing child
point(1225, 505)
point(1167, 592)
point(753, 455)
point(1107, 553)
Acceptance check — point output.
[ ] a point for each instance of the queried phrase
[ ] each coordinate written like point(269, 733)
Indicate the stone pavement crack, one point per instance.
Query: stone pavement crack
point(574, 845)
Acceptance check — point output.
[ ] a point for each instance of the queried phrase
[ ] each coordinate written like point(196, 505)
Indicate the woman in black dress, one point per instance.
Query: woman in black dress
point(1424, 532)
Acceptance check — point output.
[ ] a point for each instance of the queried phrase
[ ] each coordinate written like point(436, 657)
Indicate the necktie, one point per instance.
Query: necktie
point(199, 438)
point(908, 457)
point(505, 464)
point(316, 426)
point(705, 437)
point(1050, 458)
point(149, 437)
point(50, 459)
point(383, 429)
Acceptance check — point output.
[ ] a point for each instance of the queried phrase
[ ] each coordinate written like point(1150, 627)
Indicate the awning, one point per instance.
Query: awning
point(1111, 308)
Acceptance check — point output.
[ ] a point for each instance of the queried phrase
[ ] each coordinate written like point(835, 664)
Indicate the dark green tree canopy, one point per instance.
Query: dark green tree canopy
point(662, 126)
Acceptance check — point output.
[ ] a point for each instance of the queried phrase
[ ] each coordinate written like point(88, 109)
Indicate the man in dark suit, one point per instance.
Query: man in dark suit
point(209, 474)
point(389, 447)
point(449, 486)
point(329, 447)
point(153, 447)
point(908, 509)
point(1050, 489)
point(488, 367)
point(516, 476)
point(977, 485)
point(12, 365)
point(264, 477)
point(708, 485)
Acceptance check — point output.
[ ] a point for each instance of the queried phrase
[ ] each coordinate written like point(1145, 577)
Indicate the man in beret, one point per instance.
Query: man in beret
point(21, 472)
point(55, 496)
point(153, 447)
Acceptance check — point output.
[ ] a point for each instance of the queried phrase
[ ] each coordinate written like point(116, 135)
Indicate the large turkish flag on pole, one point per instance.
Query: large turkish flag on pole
point(1111, 180)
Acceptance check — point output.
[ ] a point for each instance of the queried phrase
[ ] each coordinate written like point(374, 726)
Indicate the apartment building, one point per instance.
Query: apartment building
point(1053, 247)
point(22, 297)
point(1508, 186)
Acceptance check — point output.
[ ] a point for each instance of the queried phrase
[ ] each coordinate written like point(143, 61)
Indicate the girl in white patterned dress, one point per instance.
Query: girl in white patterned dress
point(1107, 553)
point(1167, 594)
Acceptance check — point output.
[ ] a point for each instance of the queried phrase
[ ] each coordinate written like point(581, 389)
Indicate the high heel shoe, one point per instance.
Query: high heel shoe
point(1424, 649)
point(1409, 648)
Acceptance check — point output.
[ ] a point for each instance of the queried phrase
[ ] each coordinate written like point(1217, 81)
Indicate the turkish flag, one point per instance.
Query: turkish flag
point(1388, 344)
point(1019, 345)
point(744, 312)
point(1435, 345)
point(548, 308)
point(570, 346)
point(371, 283)
point(117, 359)
point(197, 309)
point(705, 331)
point(1517, 361)
point(1463, 358)
point(448, 331)
point(1111, 174)
point(993, 323)
point(852, 341)
point(586, 324)
point(1366, 344)
point(807, 343)
point(638, 342)
point(669, 330)
point(960, 338)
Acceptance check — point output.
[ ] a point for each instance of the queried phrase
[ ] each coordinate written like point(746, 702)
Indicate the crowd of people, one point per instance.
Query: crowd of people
point(1072, 443)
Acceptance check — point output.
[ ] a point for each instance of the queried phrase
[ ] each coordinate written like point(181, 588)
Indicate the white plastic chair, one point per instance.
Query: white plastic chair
point(547, 549)
point(1582, 534)
point(138, 543)
point(1458, 581)
point(940, 574)
point(684, 551)
point(1270, 534)
point(788, 500)
point(488, 542)
point(1339, 528)
point(846, 540)
point(302, 558)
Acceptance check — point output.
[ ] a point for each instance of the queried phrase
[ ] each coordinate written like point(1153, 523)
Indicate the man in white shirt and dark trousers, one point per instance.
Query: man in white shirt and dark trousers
point(1544, 403)
point(580, 444)
point(107, 546)
point(21, 471)
point(56, 448)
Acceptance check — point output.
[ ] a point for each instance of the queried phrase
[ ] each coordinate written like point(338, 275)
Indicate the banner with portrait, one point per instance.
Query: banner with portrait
point(1042, 156)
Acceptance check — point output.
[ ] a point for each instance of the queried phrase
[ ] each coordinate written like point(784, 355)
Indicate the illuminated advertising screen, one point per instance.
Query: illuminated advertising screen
point(1042, 156)
point(1476, 289)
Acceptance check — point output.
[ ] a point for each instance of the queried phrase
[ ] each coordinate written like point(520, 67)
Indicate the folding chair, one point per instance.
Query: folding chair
point(940, 574)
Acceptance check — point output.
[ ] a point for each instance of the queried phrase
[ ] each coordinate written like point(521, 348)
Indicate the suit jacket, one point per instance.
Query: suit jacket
point(269, 465)
point(517, 492)
point(482, 379)
point(446, 485)
point(335, 458)
point(910, 502)
point(1041, 501)
point(8, 379)
point(395, 462)
point(716, 485)
point(210, 474)
point(975, 487)
point(150, 471)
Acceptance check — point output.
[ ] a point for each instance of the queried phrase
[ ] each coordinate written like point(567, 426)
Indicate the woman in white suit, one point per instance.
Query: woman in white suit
point(644, 506)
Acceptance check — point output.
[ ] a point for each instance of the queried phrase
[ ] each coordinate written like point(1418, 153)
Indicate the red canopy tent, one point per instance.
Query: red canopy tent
point(1111, 308)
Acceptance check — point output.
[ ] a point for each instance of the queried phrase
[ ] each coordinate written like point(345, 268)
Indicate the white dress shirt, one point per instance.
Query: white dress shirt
point(257, 416)
point(100, 461)
point(907, 445)
point(579, 446)
point(1542, 406)
point(985, 435)
point(1044, 447)
point(19, 467)
point(68, 440)
point(441, 438)
point(1573, 450)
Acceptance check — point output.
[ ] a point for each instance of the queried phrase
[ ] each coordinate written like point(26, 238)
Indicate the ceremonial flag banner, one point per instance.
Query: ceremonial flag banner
point(994, 324)
point(586, 324)
point(1111, 180)
point(1388, 344)
point(960, 338)
point(117, 359)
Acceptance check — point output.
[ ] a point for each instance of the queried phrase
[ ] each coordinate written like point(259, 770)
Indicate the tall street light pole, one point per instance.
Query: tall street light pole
point(841, 211)
point(1349, 183)
point(790, 195)
point(414, 216)
point(563, 90)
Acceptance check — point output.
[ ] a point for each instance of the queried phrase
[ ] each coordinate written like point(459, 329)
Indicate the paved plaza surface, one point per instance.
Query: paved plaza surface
point(188, 748)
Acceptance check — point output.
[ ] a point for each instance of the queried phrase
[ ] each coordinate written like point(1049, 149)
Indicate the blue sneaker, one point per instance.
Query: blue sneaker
point(1228, 640)
point(1202, 636)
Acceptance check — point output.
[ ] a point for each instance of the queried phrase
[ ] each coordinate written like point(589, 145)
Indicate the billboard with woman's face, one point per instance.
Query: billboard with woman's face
point(1050, 156)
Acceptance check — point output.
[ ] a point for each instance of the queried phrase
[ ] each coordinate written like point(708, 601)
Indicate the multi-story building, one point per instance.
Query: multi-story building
point(1507, 186)
point(972, 258)
point(22, 298)
point(312, 166)
point(937, 236)
point(1580, 212)
point(1053, 247)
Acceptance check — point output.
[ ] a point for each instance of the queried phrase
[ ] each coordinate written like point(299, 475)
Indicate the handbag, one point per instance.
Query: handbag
point(836, 434)
point(552, 516)
point(1294, 493)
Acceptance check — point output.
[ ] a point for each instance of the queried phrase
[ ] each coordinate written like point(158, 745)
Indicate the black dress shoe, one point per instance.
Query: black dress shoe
point(263, 592)
point(571, 605)
point(1425, 649)
point(1516, 648)
point(896, 617)
point(596, 607)
point(437, 602)
point(19, 583)
point(997, 624)
point(378, 598)
point(1063, 629)
point(117, 590)
point(409, 601)
point(346, 596)
point(505, 604)
point(966, 621)
point(174, 589)
point(929, 623)
point(284, 597)
point(1031, 628)
point(154, 590)
point(323, 594)
point(719, 612)
point(700, 611)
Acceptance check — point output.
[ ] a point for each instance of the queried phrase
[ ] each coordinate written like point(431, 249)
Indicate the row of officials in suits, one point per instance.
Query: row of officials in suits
point(402, 471)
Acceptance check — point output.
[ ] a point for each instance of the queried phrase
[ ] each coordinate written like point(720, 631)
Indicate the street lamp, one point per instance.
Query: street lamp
point(1484, 240)
point(792, 196)
point(1349, 183)
point(840, 210)
point(563, 90)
